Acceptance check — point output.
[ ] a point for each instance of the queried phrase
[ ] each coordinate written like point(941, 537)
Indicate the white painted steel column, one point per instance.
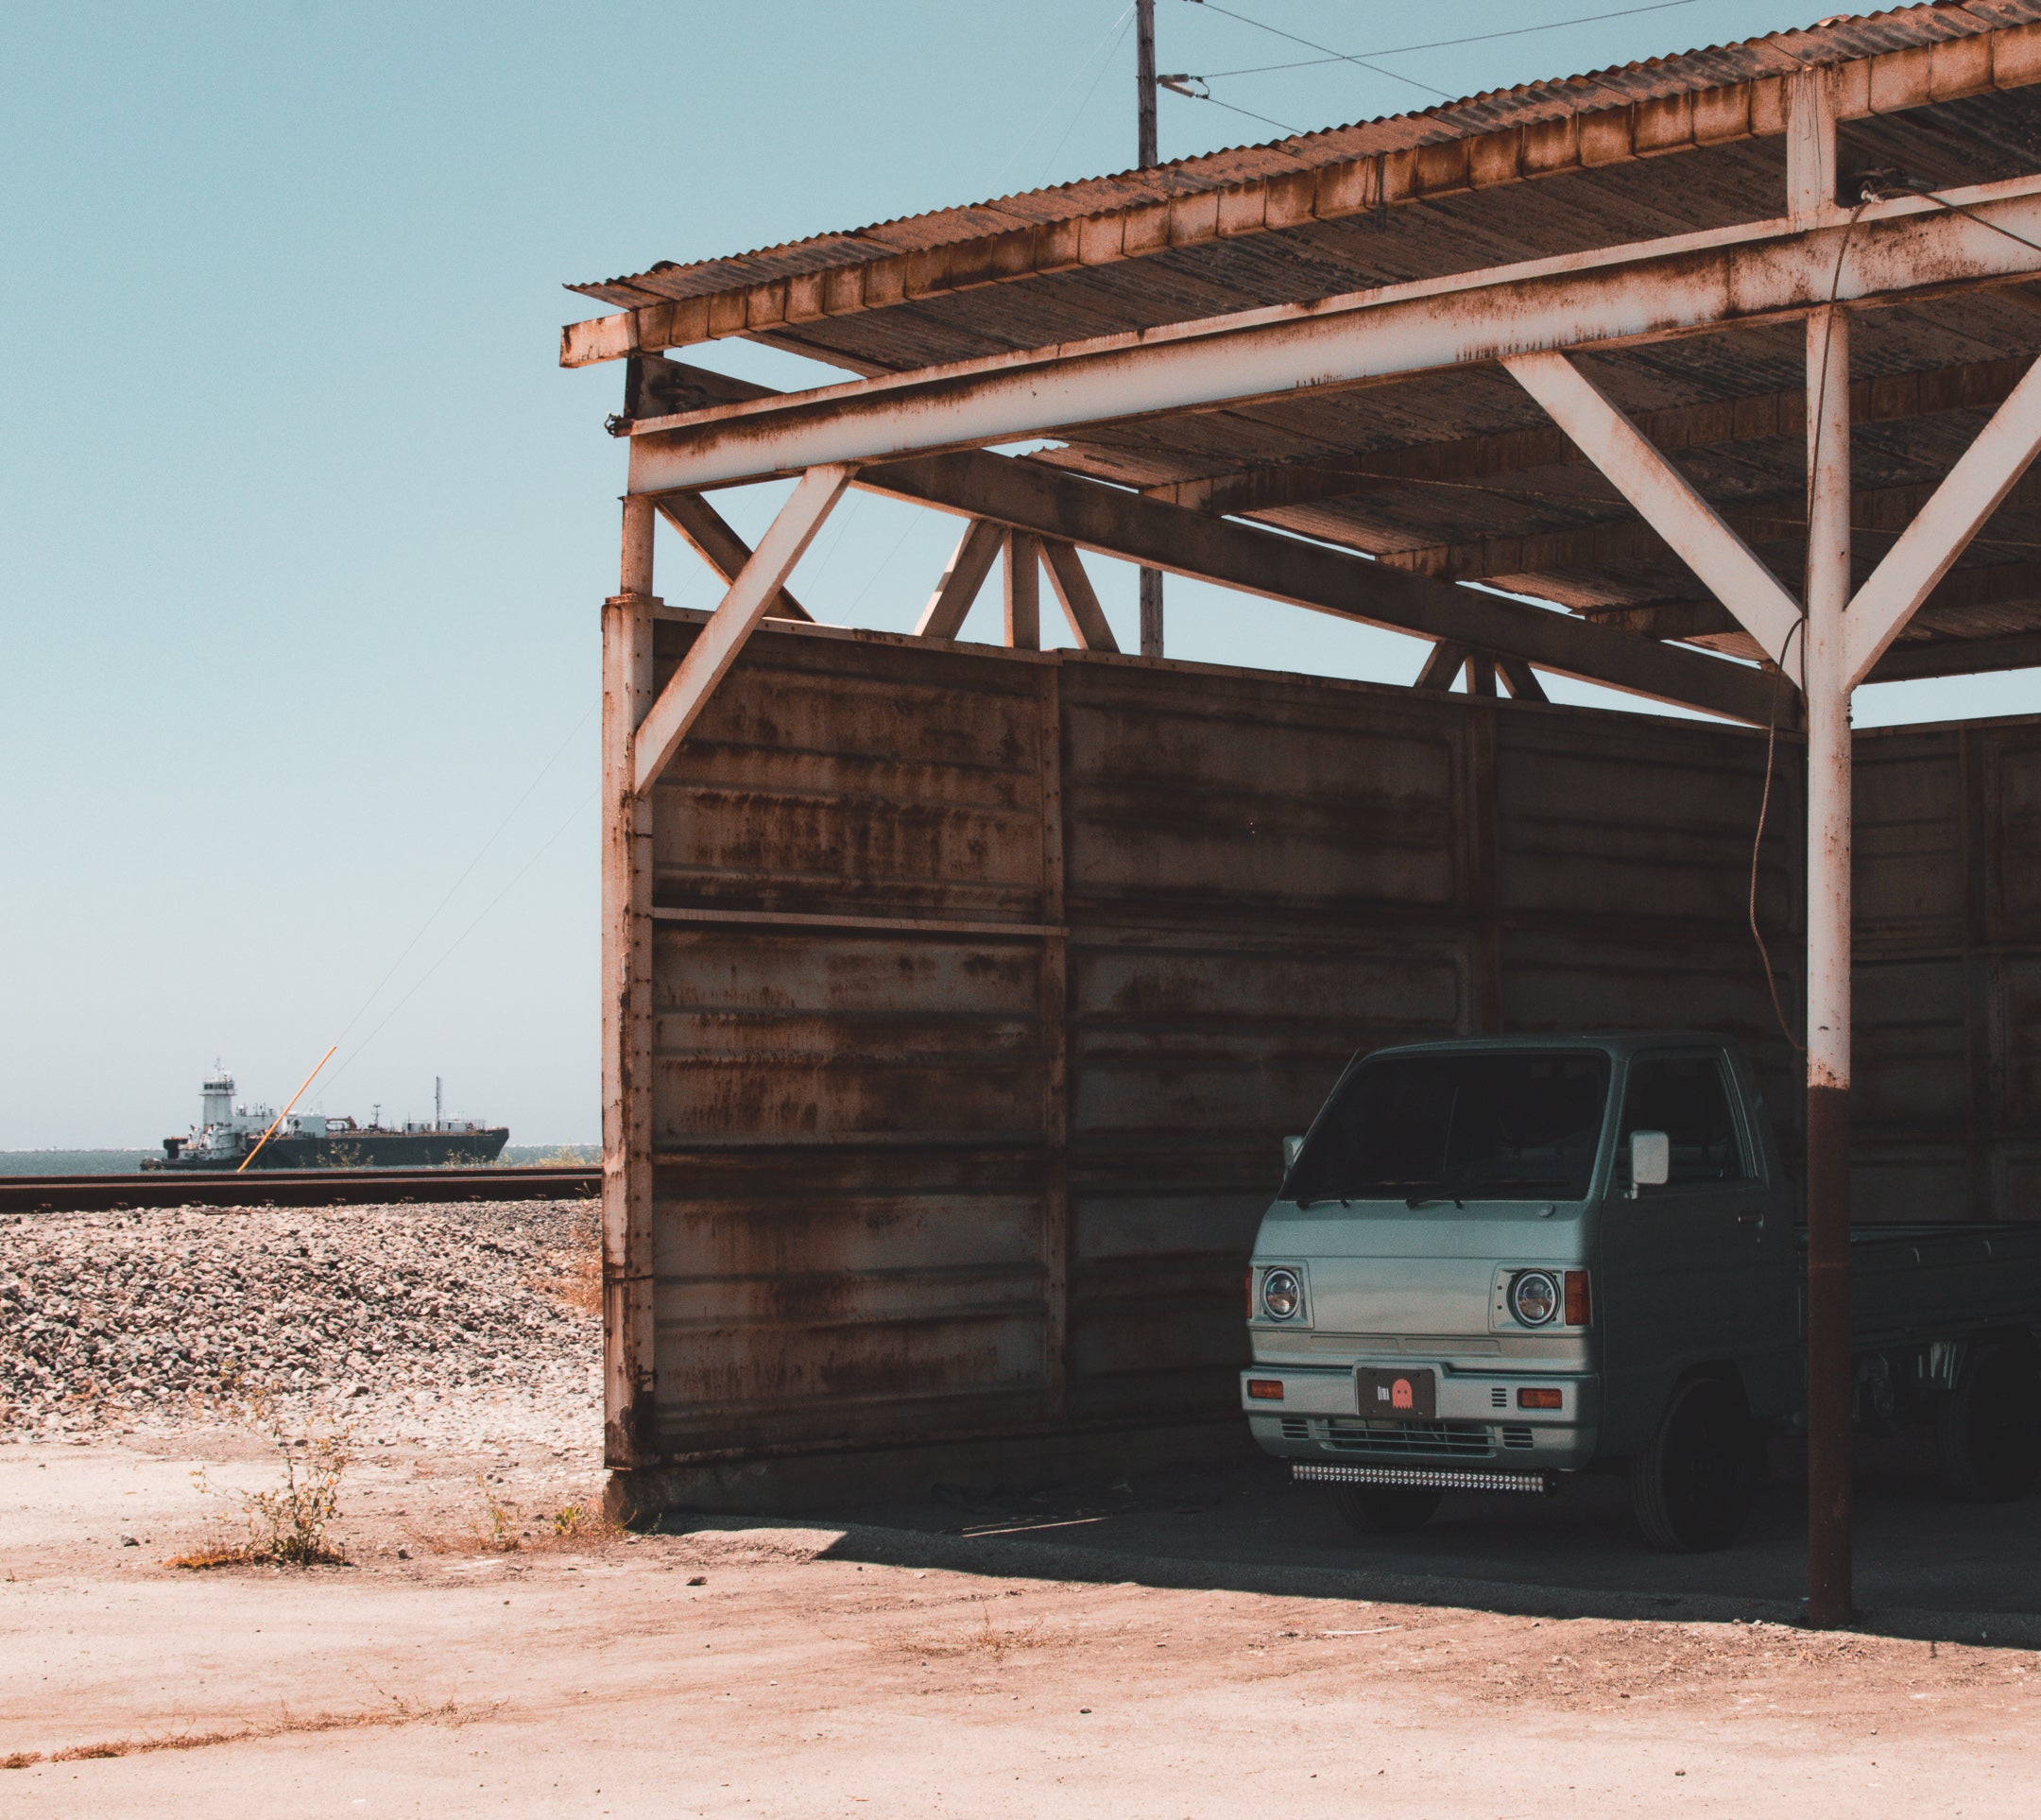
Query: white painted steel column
point(627, 1005)
point(1827, 697)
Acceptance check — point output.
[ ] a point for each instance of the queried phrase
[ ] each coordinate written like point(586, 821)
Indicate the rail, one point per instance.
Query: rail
point(290, 1188)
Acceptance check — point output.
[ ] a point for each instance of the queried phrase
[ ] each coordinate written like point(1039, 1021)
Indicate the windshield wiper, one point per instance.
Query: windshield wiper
point(1445, 1193)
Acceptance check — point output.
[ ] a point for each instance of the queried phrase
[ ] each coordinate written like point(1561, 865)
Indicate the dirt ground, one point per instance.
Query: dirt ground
point(1105, 1652)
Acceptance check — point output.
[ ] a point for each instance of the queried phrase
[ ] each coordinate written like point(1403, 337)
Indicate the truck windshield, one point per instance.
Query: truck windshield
point(1484, 1126)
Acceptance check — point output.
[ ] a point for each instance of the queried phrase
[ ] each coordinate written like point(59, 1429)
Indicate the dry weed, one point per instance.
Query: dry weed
point(402, 1713)
point(984, 1640)
point(290, 1524)
point(503, 1528)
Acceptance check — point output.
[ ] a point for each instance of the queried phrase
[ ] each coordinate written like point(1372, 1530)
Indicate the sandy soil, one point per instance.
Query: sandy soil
point(800, 1671)
point(1201, 1647)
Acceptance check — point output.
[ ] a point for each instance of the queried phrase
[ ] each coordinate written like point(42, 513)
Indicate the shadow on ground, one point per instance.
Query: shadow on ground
point(1925, 1567)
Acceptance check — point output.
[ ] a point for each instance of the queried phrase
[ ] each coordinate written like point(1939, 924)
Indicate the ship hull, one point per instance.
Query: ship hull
point(365, 1150)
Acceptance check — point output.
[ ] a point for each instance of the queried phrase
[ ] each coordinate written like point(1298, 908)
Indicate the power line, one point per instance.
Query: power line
point(1126, 23)
point(1177, 85)
point(1109, 42)
point(545, 848)
point(1330, 55)
point(1446, 44)
point(537, 778)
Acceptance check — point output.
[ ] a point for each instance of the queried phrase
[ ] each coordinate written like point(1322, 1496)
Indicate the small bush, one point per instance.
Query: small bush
point(288, 1525)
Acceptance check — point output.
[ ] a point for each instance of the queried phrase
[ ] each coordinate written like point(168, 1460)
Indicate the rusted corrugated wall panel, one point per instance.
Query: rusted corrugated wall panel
point(1624, 852)
point(1260, 874)
point(987, 983)
point(847, 1114)
point(1948, 921)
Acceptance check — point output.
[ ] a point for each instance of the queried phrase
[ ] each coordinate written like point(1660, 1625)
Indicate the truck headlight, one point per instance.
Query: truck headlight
point(1282, 1295)
point(1534, 1298)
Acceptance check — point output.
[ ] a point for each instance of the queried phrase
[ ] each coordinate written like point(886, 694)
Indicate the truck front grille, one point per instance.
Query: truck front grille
point(1405, 1440)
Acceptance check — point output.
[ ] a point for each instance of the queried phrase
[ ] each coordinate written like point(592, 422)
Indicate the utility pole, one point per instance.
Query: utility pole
point(1151, 580)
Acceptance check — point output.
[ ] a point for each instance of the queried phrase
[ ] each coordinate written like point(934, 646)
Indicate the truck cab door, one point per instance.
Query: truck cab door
point(1690, 1270)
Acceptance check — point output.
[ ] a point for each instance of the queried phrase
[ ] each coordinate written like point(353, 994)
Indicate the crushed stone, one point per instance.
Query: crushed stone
point(413, 1321)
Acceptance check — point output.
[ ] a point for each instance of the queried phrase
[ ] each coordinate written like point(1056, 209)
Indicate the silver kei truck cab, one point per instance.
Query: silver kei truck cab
point(1497, 1263)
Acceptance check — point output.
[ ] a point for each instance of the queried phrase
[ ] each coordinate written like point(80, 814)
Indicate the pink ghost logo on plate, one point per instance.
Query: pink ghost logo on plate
point(1400, 1398)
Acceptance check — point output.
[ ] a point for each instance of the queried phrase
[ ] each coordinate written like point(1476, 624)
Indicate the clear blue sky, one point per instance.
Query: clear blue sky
point(302, 532)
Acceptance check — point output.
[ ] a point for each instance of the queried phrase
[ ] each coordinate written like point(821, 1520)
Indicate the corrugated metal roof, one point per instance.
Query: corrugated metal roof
point(1458, 473)
point(1835, 41)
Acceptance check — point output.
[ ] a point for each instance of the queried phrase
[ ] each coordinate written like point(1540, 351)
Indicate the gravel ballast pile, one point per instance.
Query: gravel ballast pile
point(401, 1315)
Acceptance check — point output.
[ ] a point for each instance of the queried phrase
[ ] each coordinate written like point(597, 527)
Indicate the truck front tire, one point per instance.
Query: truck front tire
point(1386, 1510)
point(1988, 1428)
point(1690, 1488)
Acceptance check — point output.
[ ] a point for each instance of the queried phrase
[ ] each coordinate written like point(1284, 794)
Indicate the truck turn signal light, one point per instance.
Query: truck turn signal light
point(1579, 1299)
point(1265, 1390)
point(1540, 1398)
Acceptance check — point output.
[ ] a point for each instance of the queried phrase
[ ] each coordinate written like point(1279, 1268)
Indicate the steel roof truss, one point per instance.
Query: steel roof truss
point(1647, 291)
point(969, 563)
point(717, 543)
point(1073, 593)
point(1093, 516)
point(708, 659)
point(1987, 470)
point(1666, 500)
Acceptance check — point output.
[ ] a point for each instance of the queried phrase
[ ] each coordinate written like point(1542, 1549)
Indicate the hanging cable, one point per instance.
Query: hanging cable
point(1330, 55)
point(1764, 804)
point(1109, 42)
point(1182, 85)
point(1449, 43)
point(419, 934)
point(545, 847)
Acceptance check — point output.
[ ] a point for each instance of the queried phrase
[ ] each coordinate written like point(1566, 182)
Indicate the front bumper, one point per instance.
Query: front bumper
point(1478, 1422)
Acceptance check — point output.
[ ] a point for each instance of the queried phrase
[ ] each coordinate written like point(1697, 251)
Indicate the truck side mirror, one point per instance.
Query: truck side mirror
point(1289, 1148)
point(1651, 1159)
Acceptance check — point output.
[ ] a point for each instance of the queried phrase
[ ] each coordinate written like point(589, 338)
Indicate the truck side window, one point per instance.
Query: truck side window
point(1684, 1097)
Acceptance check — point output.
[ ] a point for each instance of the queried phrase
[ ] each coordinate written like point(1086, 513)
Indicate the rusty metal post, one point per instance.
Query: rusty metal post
point(627, 1006)
point(1827, 696)
point(1146, 158)
point(1022, 592)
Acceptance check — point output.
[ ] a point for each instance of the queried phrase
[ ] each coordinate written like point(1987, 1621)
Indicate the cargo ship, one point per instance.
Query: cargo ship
point(226, 1135)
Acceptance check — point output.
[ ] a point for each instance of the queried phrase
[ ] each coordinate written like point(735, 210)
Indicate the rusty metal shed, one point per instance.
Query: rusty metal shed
point(952, 992)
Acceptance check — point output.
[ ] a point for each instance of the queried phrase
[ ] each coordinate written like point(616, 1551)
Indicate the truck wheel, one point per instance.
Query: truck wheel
point(1988, 1429)
point(1386, 1510)
point(1690, 1488)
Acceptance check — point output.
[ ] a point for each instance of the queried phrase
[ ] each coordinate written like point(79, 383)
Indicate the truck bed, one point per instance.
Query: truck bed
point(1917, 1282)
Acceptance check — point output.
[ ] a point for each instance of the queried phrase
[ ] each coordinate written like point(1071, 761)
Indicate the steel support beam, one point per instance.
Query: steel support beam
point(1030, 496)
point(1827, 697)
point(1927, 548)
point(1021, 573)
point(1442, 666)
point(1749, 272)
point(969, 563)
point(1957, 657)
point(1082, 612)
point(1770, 520)
point(1717, 422)
point(1667, 501)
point(626, 1008)
point(1151, 612)
point(717, 646)
point(717, 543)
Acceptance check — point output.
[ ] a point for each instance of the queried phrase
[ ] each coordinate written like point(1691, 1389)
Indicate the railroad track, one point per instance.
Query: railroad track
point(290, 1188)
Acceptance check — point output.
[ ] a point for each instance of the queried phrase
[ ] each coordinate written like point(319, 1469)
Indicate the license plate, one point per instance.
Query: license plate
point(1397, 1395)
